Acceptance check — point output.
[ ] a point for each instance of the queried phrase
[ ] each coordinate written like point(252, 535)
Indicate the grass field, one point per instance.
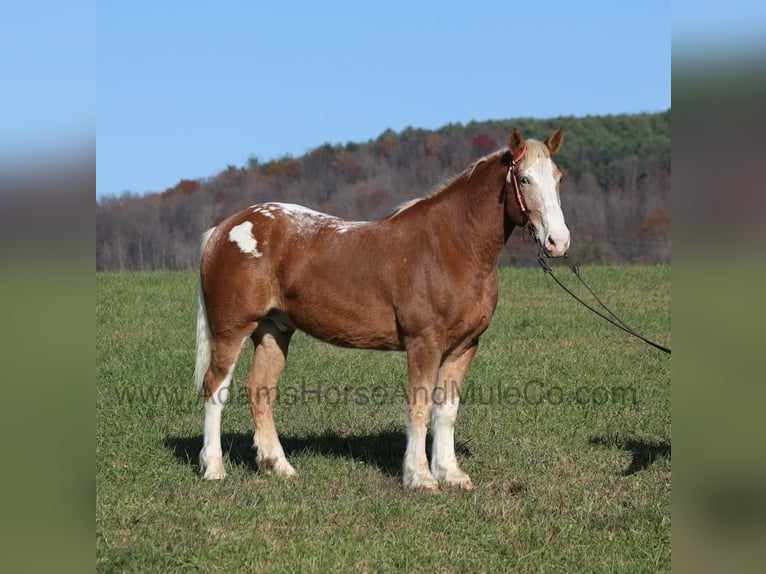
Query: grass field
point(565, 430)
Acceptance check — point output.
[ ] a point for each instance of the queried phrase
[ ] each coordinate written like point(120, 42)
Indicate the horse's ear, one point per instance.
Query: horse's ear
point(516, 142)
point(553, 141)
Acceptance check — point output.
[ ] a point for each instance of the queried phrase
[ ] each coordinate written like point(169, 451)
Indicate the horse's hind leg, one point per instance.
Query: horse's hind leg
point(223, 359)
point(268, 360)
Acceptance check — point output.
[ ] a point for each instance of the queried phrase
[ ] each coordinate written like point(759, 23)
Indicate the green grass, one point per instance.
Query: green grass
point(564, 429)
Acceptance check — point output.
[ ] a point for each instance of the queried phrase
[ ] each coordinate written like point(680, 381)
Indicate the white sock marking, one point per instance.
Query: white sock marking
point(443, 459)
point(211, 457)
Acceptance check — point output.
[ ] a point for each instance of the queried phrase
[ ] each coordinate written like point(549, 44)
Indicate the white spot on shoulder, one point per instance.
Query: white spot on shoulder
point(242, 235)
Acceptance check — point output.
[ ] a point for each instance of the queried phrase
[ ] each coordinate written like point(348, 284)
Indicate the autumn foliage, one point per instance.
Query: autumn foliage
point(615, 195)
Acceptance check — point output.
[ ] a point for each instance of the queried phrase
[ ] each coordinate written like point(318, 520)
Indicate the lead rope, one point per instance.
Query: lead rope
point(614, 319)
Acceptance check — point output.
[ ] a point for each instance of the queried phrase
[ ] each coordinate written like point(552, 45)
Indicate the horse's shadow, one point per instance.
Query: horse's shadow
point(644, 453)
point(383, 450)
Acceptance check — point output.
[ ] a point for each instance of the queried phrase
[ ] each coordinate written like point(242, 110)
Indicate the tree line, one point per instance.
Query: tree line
point(615, 193)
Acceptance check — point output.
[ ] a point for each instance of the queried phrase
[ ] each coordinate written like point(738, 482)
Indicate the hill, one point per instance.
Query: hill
point(615, 194)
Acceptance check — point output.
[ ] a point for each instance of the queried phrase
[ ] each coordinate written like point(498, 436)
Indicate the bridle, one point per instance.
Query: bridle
point(513, 177)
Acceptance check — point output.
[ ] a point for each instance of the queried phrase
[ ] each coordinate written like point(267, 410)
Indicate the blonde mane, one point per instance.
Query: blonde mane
point(463, 175)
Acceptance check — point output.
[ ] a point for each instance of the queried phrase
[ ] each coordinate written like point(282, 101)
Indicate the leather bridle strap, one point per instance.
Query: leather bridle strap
point(513, 177)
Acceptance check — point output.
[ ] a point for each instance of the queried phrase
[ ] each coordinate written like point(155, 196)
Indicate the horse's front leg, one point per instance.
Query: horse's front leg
point(423, 365)
point(446, 400)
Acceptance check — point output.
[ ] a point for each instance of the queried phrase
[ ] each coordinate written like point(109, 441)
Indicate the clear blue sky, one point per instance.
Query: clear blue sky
point(47, 80)
point(186, 88)
point(181, 89)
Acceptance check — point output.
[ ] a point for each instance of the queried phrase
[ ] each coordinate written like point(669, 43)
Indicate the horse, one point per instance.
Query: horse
point(422, 280)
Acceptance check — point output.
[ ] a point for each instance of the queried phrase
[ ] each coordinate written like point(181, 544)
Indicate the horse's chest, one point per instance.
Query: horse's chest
point(485, 307)
point(477, 308)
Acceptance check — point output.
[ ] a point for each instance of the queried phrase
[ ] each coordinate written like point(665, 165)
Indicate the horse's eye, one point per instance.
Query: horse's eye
point(523, 181)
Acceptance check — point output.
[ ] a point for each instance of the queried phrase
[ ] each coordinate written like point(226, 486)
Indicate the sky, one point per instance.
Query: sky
point(47, 79)
point(185, 89)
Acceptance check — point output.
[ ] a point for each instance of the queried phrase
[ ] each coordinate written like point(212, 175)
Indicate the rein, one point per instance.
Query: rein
point(609, 316)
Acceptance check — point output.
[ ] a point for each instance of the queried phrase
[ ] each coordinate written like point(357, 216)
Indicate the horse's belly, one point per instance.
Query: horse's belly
point(359, 326)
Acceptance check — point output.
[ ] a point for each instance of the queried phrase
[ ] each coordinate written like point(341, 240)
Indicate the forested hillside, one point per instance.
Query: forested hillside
point(615, 195)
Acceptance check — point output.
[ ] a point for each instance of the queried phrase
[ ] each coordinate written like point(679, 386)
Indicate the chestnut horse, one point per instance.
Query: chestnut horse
point(422, 280)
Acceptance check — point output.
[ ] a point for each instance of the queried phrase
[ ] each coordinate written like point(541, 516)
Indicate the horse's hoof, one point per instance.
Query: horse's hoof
point(278, 467)
point(466, 484)
point(458, 480)
point(421, 482)
point(212, 473)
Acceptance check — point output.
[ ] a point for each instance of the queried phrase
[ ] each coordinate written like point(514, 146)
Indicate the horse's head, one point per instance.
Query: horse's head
point(533, 181)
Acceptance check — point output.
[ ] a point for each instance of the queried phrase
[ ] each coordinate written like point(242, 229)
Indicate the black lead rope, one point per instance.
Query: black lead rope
point(614, 319)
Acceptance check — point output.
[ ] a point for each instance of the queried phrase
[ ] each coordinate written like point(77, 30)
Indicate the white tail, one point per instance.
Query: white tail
point(204, 338)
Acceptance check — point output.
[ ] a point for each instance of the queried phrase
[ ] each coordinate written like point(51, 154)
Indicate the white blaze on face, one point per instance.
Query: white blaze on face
point(552, 231)
point(242, 235)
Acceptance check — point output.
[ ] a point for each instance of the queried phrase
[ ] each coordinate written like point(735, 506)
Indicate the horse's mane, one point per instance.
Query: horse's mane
point(464, 175)
point(536, 151)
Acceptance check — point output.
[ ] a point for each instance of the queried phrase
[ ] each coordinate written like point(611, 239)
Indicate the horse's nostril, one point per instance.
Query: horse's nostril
point(551, 242)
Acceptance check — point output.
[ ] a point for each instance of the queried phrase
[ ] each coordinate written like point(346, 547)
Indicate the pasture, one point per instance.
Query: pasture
point(565, 429)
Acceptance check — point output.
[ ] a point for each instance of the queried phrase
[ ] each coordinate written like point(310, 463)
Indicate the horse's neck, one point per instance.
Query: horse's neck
point(474, 208)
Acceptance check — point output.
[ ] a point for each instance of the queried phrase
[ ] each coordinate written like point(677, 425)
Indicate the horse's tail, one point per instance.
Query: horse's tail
point(204, 338)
